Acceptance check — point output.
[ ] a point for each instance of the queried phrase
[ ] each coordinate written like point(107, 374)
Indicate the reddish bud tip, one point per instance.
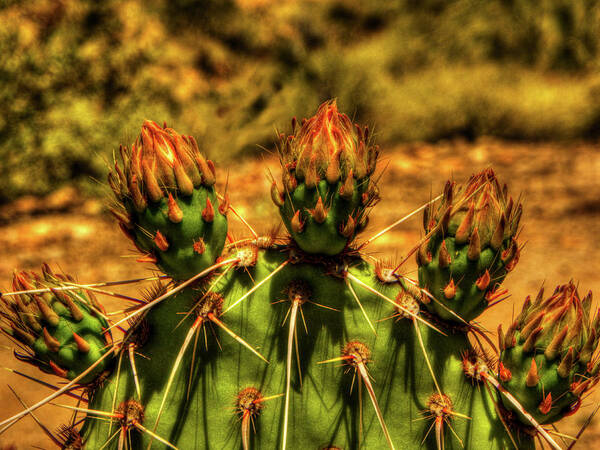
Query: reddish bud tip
point(450, 290)
point(347, 188)
point(546, 404)
point(161, 241)
point(483, 281)
point(444, 256)
point(224, 206)
point(532, 376)
point(464, 229)
point(59, 371)
point(149, 258)
point(319, 214)
point(474, 249)
point(208, 214)
point(51, 342)
point(174, 212)
point(296, 223)
point(82, 345)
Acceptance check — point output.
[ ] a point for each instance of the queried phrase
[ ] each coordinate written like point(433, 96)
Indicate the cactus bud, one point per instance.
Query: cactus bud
point(474, 224)
point(330, 155)
point(73, 337)
point(165, 175)
point(551, 355)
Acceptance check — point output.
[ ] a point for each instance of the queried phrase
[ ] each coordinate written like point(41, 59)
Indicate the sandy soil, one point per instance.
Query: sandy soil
point(561, 195)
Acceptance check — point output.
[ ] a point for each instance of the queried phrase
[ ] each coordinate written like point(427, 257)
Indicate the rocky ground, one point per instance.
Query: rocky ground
point(560, 190)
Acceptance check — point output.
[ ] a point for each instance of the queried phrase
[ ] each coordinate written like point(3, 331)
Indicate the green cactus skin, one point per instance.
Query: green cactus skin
point(326, 237)
point(62, 332)
point(471, 248)
point(323, 412)
point(193, 243)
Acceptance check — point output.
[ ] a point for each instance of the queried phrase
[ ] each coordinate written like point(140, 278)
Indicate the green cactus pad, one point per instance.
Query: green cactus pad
point(324, 403)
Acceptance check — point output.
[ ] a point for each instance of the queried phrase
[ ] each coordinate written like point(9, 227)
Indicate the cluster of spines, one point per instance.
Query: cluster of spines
point(326, 146)
point(160, 162)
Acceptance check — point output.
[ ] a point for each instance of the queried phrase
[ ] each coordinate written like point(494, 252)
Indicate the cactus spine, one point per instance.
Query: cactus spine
point(302, 342)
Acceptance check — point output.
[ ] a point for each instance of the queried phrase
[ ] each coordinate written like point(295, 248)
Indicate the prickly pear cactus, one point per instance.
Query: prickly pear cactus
point(302, 341)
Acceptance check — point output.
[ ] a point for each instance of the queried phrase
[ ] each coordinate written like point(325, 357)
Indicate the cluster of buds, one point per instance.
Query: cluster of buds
point(326, 165)
point(470, 247)
point(60, 331)
point(547, 354)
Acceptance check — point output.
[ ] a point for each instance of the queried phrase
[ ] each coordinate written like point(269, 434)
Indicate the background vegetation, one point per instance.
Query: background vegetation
point(78, 77)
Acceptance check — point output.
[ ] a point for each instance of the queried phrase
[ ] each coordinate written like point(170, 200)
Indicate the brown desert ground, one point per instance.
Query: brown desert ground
point(560, 187)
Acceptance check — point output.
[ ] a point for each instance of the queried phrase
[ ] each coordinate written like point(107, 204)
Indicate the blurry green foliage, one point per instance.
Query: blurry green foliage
point(77, 77)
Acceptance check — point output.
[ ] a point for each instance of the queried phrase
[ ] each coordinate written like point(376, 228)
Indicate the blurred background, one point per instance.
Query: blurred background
point(449, 88)
point(78, 77)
